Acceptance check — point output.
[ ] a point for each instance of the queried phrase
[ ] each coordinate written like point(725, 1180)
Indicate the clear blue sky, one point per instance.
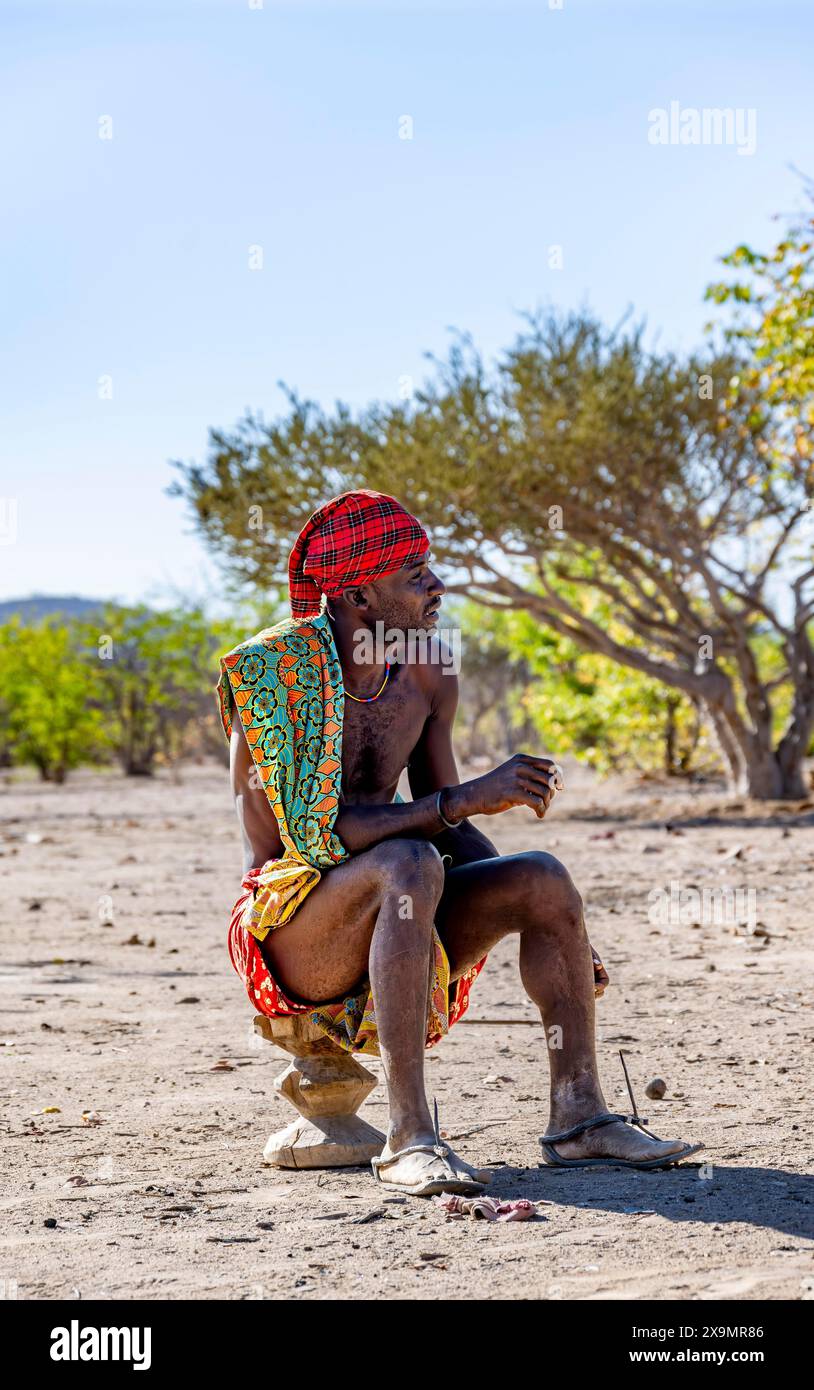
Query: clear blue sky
point(279, 127)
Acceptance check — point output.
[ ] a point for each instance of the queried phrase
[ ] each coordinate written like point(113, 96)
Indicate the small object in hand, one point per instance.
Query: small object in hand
point(656, 1089)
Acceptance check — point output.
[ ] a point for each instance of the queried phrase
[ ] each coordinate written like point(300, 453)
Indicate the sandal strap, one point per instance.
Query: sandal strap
point(605, 1118)
point(440, 1149)
point(595, 1122)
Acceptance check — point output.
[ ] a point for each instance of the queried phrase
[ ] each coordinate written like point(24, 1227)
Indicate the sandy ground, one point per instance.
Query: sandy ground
point(161, 1193)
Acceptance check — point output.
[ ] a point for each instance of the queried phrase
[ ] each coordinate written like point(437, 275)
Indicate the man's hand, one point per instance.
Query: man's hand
point(522, 781)
point(600, 974)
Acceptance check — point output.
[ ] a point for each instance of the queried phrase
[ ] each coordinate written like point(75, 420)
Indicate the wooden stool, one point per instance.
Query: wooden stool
point(327, 1085)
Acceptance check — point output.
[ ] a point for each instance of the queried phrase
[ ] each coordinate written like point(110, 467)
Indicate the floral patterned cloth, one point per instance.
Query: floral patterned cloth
point(286, 686)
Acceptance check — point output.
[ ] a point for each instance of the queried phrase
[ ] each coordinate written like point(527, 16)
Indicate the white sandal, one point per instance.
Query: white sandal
point(448, 1180)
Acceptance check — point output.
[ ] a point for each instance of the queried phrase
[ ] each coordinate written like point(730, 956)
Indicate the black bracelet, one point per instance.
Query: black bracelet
point(450, 824)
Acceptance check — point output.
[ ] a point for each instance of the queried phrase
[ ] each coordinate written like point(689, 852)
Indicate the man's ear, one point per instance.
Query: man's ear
point(357, 597)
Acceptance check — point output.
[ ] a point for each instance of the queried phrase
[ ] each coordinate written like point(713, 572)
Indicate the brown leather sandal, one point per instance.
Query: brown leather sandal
point(554, 1160)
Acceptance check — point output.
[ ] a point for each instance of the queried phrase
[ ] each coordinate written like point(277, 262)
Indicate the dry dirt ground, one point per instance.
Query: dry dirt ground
point(160, 1192)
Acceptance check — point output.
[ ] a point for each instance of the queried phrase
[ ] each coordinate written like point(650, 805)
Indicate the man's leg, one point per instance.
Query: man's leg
point(374, 916)
point(533, 895)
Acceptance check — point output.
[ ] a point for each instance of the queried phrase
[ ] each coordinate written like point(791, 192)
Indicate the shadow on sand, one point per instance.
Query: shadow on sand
point(767, 1197)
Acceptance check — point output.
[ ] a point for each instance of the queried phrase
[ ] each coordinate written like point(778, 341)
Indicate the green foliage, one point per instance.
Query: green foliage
point(138, 686)
point(573, 417)
point(561, 699)
point(774, 322)
point(48, 716)
point(156, 680)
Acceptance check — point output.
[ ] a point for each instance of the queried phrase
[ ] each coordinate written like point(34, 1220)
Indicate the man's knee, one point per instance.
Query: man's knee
point(408, 866)
point(544, 882)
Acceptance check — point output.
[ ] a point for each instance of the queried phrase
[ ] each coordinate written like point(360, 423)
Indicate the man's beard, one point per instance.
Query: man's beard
point(401, 618)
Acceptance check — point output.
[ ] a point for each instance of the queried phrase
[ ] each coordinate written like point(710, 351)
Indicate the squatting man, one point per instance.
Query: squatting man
point(373, 916)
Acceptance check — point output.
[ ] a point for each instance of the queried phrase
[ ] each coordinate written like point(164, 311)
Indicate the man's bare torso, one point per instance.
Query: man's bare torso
point(379, 738)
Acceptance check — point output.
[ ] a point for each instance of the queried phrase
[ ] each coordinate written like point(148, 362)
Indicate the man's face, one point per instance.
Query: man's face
point(408, 599)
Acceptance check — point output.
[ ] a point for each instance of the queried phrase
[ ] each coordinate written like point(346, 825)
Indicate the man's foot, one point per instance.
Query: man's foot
point(424, 1167)
point(616, 1141)
point(481, 1175)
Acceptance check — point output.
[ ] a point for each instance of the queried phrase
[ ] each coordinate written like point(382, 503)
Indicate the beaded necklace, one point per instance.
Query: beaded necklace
point(368, 699)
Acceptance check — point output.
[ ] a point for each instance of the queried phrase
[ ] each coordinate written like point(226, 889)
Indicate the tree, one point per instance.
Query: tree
point(156, 678)
point(581, 464)
point(47, 714)
point(774, 319)
point(774, 324)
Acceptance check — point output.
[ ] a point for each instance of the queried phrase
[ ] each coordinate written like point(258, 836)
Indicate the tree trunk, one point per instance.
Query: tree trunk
point(687, 753)
point(762, 775)
point(733, 759)
point(766, 780)
point(670, 738)
point(139, 765)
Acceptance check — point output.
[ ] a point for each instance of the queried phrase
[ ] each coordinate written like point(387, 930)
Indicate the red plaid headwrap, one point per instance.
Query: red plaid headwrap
point(353, 539)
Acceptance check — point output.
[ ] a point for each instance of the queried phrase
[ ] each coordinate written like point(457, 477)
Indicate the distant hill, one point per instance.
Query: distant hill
point(43, 605)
